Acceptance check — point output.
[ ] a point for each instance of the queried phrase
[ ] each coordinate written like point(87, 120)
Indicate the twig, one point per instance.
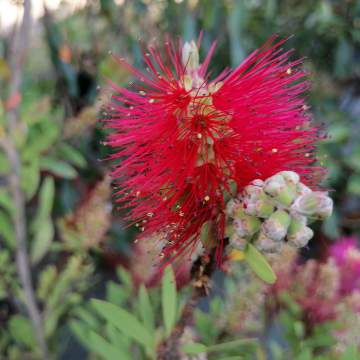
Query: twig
point(22, 258)
point(16, 61)
point(201, 273)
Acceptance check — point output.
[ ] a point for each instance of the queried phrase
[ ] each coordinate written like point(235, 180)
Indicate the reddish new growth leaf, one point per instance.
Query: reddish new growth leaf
point(181, 139)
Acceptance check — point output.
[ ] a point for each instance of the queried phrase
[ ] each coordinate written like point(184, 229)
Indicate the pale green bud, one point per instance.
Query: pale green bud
point(316, 205)
point(231, 207)
point(274, 185)
point(290, 177)
point(190, 56)
point(261, 208)
point(237, 242)
point(302, 189)
point(296, 218)
point(276, 226)
point(286, 196)
point(299, 235)
point(256, 202)
point(246, 226)
point(282, 187)
point(253, 191)
point(267, 245)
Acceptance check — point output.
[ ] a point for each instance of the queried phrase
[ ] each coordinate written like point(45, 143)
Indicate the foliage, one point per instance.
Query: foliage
point(111, 328)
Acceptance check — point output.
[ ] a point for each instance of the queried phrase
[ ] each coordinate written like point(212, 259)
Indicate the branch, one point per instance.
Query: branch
point(22, 259)
point(16, 60)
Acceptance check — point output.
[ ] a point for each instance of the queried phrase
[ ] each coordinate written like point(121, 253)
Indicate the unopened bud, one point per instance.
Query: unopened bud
point(290, 177)
point(261, 208)
point(274, 185)
point(316, 205)
point(302, 189)
point(282, 187)
point(246, 226)
point(286, 196)
point(267, 245)
point(276, 226)
point(253, 191)
point(237, 242)
point(190, 56)
point(256, 203)
point(231, 207)
point(299, 235)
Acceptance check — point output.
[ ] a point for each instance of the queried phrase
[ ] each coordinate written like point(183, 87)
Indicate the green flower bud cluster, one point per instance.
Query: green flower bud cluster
point(275, 211)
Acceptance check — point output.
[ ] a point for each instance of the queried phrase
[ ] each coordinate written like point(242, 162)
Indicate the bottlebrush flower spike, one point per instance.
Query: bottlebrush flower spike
point(181, 139)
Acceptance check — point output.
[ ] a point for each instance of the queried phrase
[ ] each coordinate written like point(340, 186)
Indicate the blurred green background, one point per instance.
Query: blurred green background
point(76, 241)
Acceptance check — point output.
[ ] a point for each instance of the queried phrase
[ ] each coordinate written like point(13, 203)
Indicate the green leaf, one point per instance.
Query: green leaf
point(72, 155)
point(6, 202)
point(116, 337)
point(58, 168)
point(353, 160)
point(30, 177)
point(7, 231)
point(42, 240)
point(21, 330)
point(4, 163)
point(127, 323)
point(305, 355)
point(194, 348)
point(337, 133)
point(259, 264)
point(145, 308)
point(87, 317)
point(206, 235)
point(169, 299)
point(125, 277)
point(353, 185)
point(95, 343)
point(351, 353)
point(46, 201)
point(81, 332)
point(115, 293)
point(103, 348)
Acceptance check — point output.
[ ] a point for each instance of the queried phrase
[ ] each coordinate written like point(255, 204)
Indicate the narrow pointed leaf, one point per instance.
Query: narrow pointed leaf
point(194, 348)
point(106, 350)
point(145, 308)
point(169, 300)
point(127, 323)
point(259, 264)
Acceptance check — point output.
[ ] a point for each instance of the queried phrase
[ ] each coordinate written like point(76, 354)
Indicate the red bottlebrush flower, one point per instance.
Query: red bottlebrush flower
point(181, 138)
